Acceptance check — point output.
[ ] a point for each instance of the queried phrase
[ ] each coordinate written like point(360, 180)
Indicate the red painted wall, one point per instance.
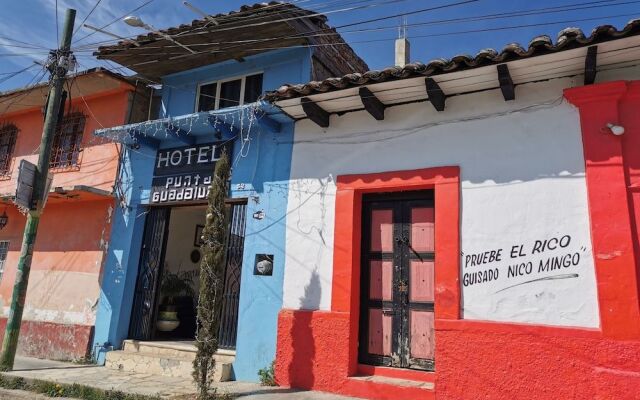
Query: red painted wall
point(486, 360)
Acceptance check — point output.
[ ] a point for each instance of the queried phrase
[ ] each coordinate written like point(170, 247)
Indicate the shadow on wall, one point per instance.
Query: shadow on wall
point(304, 347)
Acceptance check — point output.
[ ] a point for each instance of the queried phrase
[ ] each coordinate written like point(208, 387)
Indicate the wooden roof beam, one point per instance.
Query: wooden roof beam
point(436, 95)
point(180, 134)
point(590, 65)
point(506, 83)
point(371, 103)
point(314, 112)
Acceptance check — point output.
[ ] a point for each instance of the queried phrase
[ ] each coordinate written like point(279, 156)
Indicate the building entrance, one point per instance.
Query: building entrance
point(167, 287)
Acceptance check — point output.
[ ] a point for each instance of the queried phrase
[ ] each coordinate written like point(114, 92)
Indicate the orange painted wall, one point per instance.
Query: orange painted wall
point(64, 283)
point(99, 158)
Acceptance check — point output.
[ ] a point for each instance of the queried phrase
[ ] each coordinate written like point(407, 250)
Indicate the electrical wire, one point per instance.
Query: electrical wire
point(146, 3)
point(244, 26)
point(177, 55)
point(13, 74)
point(87, 16)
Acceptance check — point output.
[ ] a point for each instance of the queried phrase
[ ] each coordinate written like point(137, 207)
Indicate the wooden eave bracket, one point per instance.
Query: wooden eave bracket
point(371, 103)
point(180, 134)
point(435, 94)
point(590, 65)
point(314, 112)
point(506, 83)
point(267, 122)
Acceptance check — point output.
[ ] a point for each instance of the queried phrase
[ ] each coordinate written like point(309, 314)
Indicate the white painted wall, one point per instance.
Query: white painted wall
point(182, 229)
point(522, 178)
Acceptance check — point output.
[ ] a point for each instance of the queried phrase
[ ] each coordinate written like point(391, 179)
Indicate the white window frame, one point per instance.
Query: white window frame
point(219, 82)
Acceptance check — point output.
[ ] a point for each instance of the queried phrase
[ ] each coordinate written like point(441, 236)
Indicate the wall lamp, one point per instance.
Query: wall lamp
point(615, 129)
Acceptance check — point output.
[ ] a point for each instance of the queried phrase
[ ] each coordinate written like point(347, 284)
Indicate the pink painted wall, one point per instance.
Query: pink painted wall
point(64, 284)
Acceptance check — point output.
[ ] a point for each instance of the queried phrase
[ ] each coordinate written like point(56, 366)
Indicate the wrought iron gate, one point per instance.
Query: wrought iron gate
point(151, 258)
point(235, 247)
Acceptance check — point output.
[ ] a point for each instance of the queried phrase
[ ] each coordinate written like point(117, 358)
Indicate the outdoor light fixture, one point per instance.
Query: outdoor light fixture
point(615, 129)
point(4, 219)
point(93, 28)
point(136, 22)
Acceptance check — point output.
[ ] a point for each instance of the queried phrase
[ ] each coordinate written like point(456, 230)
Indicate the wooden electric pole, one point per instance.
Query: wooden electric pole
point(58, 65)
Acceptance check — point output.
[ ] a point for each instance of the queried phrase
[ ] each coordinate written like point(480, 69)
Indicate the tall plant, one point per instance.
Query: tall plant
point(211, 280)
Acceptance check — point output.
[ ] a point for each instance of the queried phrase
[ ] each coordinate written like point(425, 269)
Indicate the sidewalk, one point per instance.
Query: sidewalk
point(147, 384)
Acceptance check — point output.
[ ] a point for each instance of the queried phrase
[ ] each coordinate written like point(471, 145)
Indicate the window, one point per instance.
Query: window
point(229, 93)
point(65, 152)
point(8, 134)
point(4, 249)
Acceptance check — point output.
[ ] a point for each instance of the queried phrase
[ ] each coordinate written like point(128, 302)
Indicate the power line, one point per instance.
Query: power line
point(146, 3)
point(11, 75)
point(87, 17)
point(177, 55)
point(545, 10)
point(315, 14)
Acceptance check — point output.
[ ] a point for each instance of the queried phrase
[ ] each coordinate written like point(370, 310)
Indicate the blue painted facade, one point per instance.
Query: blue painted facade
point(261, 170)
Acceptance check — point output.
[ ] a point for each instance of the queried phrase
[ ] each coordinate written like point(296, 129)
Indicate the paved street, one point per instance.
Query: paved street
point(166, 387)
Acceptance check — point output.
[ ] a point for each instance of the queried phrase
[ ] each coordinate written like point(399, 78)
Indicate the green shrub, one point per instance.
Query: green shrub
point(267, 375)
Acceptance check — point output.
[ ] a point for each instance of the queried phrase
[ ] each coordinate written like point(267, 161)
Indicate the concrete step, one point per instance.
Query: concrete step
point(184, 350)
point(173, 359)
point(387, 388)
point(395, 381)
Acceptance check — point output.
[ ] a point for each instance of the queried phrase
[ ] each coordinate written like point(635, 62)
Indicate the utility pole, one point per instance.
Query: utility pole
point(58, 66)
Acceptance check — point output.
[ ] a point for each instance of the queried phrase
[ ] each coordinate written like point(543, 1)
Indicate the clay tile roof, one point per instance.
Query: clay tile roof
point(237, 34)
point(568, 38)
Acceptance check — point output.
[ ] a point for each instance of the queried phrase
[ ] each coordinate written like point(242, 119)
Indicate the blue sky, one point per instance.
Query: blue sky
point(34, 22)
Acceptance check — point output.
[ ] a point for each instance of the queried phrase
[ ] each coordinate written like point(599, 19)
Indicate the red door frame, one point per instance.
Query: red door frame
point(348, 233)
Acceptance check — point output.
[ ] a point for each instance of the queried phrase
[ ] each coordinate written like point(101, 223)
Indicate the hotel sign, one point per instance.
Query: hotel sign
point(184, 174)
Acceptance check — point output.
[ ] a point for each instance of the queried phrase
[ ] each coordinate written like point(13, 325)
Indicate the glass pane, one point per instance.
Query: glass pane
point(382, 230)
point(379, 333)
point(422, 224)
point(230, 93)
point(421, 286)
point(381, 280)
point(422, 335)
point(252, 88)
point(207, 99)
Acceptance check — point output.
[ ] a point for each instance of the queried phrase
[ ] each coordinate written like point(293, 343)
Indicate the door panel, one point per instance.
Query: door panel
point(422, 228)
point(381, 280)
point(421, 286)
point(233, 273)
point(379, 332)
point(398, 280)
point(422, 334)
point(382, 230)
point(141, 326)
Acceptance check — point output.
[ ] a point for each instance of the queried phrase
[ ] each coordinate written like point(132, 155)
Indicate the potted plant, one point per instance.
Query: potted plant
point(173, 285)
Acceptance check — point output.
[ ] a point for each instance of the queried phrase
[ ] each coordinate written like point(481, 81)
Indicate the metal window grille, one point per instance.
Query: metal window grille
point(67, 141)
point(8, 134)
point(4, 249)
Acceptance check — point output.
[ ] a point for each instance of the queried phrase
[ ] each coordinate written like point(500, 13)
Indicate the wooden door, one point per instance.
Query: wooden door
point(397, 286)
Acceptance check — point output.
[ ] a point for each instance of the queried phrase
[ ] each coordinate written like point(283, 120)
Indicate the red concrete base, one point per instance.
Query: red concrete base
point(51, 340)
point(313, 353)
point(474, 360)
